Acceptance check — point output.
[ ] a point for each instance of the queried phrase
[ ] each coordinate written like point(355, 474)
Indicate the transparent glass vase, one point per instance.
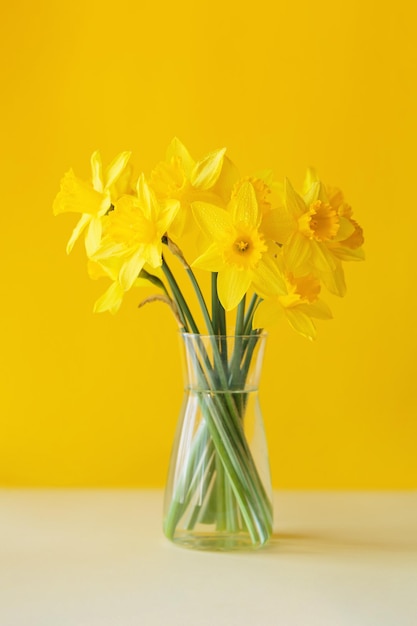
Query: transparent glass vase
point(218, 494)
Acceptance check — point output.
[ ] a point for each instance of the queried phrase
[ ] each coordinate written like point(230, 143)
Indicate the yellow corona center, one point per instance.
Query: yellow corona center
point(320, 222)
point(243, 248)
point(307, 287)
point(301, 290)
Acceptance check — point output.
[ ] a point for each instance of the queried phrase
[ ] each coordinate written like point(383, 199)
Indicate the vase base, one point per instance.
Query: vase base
point(216, 542)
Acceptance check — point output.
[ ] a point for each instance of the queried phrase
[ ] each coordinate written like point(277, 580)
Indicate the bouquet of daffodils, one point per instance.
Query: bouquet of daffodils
point(255, 235)
point(268, 249)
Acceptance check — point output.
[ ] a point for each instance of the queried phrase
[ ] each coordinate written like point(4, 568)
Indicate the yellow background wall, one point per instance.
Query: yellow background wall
point(92, 399)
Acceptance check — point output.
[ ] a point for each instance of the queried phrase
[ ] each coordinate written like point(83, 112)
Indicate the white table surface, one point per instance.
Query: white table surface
point(98, 558)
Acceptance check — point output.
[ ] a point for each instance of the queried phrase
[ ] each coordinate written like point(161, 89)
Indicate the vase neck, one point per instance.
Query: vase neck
point(219, 364)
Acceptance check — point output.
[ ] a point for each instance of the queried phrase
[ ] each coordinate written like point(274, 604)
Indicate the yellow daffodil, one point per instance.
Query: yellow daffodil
point(92, 200)
point(134, 231)
point(238, 249)
point(347, 245)
point(299, 304)
point(309, 227)
point(180, 177)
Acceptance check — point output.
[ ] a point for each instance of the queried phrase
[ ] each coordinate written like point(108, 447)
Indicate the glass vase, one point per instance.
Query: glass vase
point(218, 494)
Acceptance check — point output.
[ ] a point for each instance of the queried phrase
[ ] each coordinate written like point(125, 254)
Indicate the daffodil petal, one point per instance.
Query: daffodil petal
point(310, 178)
point(278, 225)
point(318, 309)
point(268, 313)
point(97, 171)
point(232, 284)
point(312, 194)
point(167, 215)
point(93, 236)
point(295, 204)
point(335, 281)
point(296, 251)
point(146, 199)
point(212, 220)
point(95, 269)
point(152, 254)
point(278, 189)
point(244, 207)
point(130, 270)
point(301, 323)
point(82, 223)
point(210, 260)
point(322, 258)
point(176, 149)
point(229, 175)
point(267, 279)
point(207, 171)
point(110, 300)
point(348, 254)
point(116, 167)
point(177, 227)
point(109, 249)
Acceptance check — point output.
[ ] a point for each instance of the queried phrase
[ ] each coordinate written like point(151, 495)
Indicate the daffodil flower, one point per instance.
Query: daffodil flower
point(347, 246)
point(309, 227)
point(134, 231)
point(299, 304)
point(182, 178)
point(92, 200)
point(238, 250)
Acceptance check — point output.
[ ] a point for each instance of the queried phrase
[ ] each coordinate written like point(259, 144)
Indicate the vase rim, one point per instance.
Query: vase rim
point(260, 334)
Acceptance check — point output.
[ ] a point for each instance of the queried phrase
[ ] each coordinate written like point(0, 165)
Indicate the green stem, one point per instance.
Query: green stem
point(225, 426)
point(181, 303)
point(201, 301)
point(219, 318)
point(235, 373)
point(238, 463)
point(255, 300)
point(240, 317)
point(215, 304)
